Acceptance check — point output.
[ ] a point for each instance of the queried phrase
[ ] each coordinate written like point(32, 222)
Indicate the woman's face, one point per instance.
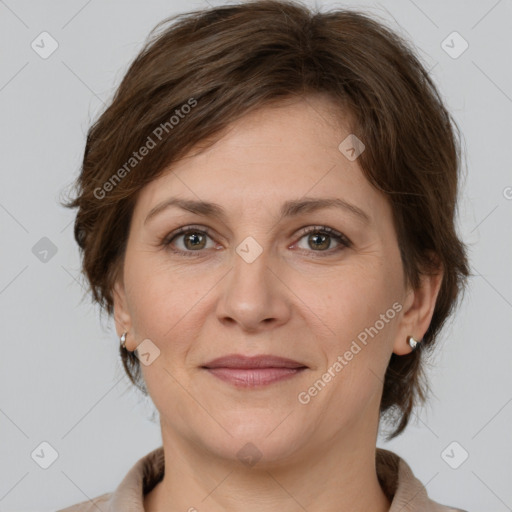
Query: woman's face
point(270, 278)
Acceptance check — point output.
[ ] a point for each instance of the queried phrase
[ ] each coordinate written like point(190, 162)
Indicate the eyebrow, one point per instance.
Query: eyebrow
point(289, 208)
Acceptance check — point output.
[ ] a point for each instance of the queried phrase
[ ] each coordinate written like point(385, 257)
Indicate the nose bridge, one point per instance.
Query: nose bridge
point(250, 263)
point(252, 296)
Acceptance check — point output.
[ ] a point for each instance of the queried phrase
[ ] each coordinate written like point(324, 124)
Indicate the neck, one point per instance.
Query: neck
point(336, 477)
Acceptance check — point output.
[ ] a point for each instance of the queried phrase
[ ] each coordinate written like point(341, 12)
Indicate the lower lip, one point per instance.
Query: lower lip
point(254, 377)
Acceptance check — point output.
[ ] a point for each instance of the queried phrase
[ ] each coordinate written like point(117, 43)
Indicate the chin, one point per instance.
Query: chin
point(256, 440)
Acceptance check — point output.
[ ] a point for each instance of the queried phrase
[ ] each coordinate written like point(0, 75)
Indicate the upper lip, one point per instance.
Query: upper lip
point(261, 361)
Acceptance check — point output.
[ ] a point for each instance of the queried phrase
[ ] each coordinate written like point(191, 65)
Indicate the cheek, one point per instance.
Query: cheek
point(360, 310)
point(342, 304)
point(161, 300)
point(359, 321)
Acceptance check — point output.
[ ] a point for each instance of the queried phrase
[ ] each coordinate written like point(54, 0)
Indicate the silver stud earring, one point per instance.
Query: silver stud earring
point(123, 340)
point(412, 342)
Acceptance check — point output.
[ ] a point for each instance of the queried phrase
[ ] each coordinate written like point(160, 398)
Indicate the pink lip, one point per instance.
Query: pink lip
point(243, 371)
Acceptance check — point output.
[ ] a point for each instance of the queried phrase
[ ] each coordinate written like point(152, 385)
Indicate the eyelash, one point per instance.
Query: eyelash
point(336, 235)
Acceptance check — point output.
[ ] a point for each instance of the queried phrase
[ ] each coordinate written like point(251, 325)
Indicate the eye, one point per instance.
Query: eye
point(320, 239)
point(188, 240)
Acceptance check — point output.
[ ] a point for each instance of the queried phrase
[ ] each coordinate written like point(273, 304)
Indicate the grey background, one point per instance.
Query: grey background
point(60, 377)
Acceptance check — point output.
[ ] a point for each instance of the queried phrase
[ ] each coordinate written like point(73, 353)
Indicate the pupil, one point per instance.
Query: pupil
point(321, 238)
point(195, 239)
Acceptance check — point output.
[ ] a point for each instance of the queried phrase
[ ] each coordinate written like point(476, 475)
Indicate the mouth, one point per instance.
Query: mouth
point(256, 371)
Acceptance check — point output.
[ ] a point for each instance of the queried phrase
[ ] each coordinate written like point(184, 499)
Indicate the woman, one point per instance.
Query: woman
point(267, 209)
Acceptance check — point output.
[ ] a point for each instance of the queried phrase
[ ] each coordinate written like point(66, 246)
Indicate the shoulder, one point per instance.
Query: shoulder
point(405, 491)
point(100, 503)
point(129, 494)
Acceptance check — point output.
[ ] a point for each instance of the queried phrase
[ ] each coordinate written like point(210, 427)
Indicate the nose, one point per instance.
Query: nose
point(253, 296)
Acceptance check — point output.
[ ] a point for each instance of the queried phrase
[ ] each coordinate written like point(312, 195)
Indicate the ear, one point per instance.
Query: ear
point(418, 310)
point(122, 316)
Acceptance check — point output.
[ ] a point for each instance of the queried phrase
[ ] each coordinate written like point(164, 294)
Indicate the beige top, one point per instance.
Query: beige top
point(404, 490)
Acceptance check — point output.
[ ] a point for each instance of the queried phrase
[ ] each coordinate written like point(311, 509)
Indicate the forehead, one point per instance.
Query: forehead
point(271, 155)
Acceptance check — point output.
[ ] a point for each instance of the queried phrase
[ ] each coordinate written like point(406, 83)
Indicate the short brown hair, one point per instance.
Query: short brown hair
point(227, 61)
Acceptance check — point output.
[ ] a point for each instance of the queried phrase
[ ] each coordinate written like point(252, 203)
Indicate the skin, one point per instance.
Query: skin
point(295, 300)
